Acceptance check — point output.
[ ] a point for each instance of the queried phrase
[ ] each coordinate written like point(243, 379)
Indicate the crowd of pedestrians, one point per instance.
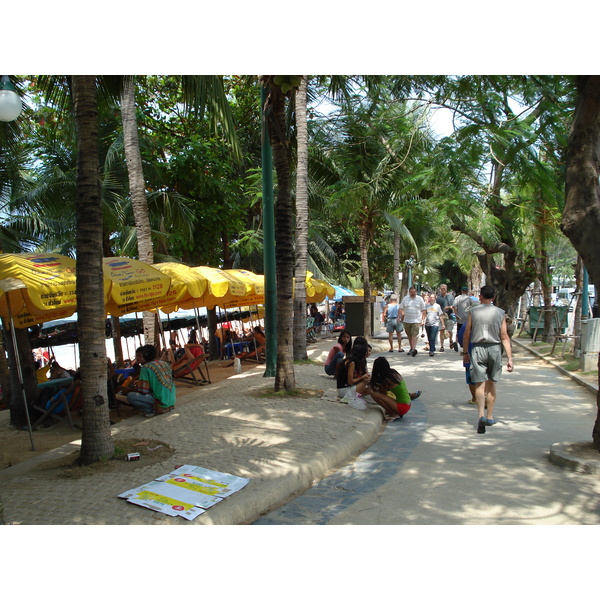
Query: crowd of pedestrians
point(468, 321)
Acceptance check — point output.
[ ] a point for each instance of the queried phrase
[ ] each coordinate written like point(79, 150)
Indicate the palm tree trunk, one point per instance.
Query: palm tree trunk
point(137, 188)
point(364, 263)
point(284, 248)
point(96, 440)
point(396, 286)
point(301, 223)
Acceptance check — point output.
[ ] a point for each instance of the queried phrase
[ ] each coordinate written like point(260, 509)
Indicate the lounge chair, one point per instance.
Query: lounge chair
point(190, 370)
point(68, 402)
point(257, 354)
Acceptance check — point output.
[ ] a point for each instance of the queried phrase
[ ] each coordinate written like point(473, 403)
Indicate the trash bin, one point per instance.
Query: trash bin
point(536, 314)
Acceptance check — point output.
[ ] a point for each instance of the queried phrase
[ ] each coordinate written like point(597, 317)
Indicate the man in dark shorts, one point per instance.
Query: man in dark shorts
point(486, 330)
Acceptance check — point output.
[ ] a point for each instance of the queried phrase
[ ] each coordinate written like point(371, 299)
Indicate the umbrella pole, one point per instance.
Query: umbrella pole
point(18, 361)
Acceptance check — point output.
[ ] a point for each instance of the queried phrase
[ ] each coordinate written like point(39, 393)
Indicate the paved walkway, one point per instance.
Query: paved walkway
point(285, 445)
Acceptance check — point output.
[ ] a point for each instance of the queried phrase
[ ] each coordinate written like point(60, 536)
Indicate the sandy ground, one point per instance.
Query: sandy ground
point(15, 445)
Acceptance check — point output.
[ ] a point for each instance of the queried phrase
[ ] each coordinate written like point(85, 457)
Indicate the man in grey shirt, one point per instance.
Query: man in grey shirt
point(486, 330)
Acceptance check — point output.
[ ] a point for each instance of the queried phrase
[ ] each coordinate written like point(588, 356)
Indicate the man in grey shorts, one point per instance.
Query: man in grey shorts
point(486, 330)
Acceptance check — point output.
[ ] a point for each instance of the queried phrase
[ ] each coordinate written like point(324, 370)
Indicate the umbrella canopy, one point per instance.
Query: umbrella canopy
point(187, 285)
point(255, 288)
point(340, 292)
point(37, 287)
point(317, 289)
point(223, 287)
point(134, 285)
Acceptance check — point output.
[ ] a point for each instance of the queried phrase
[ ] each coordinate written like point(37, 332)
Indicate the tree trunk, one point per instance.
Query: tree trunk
point(301, 223)
point(396, 286)
point(284, 247)
point(364, 265)
point(137, 189)
point(581, 215)
point(18, 415)
point(96, 440)
point(116, 337)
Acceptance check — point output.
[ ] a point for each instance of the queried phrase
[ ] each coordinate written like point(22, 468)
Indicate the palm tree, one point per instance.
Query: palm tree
point(96, 440)
point(137, 188)
point(301, 222)
point(366, 181)
point(278, 87)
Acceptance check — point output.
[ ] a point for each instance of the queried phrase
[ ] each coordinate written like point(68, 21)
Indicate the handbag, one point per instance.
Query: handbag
point(354, 399)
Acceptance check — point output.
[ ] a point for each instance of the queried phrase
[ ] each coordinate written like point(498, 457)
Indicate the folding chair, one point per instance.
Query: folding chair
point(258, 354)
point(186, 371)
point(68, 403)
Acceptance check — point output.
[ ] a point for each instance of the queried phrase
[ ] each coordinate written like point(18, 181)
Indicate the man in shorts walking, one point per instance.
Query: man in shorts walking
point(486, 330)
point(413, 312)
point(392, 322)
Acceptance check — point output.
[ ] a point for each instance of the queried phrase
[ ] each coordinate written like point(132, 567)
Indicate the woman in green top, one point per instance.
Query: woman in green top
point(160, 398)
point(389, 390)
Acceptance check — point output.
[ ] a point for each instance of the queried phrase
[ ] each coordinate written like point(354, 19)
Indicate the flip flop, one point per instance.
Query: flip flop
point(417, 394)
point(401, 350)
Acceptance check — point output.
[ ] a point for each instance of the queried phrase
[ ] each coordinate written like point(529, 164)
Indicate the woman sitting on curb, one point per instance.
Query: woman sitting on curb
point(389, 390)
point(338, 353)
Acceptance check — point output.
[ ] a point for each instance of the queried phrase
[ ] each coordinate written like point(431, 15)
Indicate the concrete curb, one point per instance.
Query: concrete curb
point(561, 454)
point(262, 496)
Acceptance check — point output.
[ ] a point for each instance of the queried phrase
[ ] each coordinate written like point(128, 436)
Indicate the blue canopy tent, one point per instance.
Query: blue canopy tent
point(340, 292)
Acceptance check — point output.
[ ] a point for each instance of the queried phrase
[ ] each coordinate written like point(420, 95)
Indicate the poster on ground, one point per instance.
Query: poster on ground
point(186, 492)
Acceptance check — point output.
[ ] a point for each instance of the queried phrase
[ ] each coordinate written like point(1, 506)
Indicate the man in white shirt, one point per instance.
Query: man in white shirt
point(412, 312)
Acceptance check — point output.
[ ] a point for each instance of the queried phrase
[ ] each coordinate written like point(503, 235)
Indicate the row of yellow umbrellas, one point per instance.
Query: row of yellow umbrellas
point(39, 287)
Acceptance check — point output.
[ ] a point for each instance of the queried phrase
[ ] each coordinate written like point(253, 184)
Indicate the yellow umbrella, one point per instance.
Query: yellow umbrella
point(222, 287)
point(37, 287)
point(255, 288)
point(317, 289)
point(186, 285)
point(134, 285)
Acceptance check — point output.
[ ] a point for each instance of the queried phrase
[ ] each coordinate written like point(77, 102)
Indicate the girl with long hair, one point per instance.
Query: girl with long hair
point(388, 388)
point(339, 352)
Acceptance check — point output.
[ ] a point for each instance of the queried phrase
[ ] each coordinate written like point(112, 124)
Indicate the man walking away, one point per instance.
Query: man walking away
point(392, 322)
point(486, 330)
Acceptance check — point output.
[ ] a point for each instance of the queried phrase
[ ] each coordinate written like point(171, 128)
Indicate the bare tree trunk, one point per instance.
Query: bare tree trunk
point(301, 246)
point(581, 215)
point(137, 189)
point(96, 441)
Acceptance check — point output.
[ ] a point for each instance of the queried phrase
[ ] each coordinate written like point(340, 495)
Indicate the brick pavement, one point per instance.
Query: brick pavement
point(281, 444)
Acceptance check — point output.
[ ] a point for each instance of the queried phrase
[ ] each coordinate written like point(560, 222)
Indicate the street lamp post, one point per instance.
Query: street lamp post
point(10, 101)
point(410, 264)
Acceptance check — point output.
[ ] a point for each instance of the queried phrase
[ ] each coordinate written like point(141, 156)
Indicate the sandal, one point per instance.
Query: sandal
point(401, 350)
point(416, 394)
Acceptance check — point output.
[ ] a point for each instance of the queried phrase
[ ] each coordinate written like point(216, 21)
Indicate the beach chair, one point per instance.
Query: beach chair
point(191, 370)
point(52, 410)
point(258, 354)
